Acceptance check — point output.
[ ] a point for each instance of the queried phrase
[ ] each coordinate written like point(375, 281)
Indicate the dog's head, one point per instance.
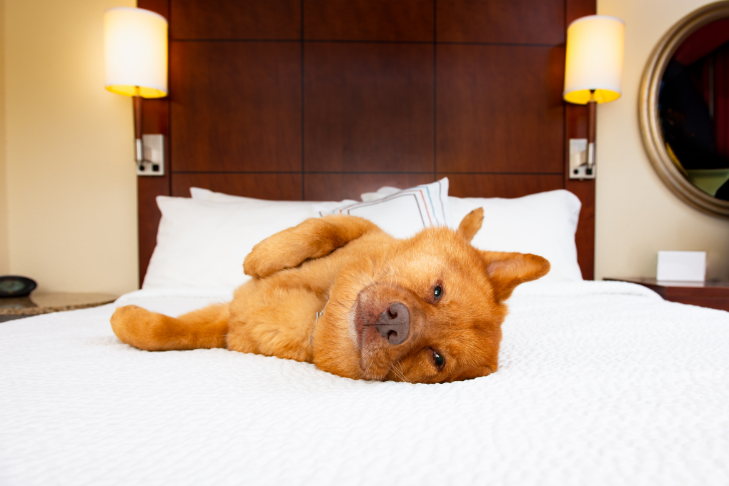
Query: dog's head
point(427, 309)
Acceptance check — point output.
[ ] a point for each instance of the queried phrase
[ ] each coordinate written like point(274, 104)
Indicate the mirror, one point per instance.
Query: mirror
point(684, 108)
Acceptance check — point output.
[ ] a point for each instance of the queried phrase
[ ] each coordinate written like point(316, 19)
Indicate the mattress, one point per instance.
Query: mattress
point(601, 383)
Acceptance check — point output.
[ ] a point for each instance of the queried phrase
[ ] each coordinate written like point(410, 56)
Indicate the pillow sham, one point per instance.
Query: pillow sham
point(543, 224)
point(202, 243)
point(381, 192)
point(404, 213)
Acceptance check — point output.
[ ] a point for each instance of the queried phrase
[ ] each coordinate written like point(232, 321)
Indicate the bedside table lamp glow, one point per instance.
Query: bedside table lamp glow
point(135, 48)
point(593, 68)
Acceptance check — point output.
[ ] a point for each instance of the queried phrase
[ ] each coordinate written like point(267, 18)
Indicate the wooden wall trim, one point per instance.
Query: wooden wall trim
point(155, 119)
point(576, 127)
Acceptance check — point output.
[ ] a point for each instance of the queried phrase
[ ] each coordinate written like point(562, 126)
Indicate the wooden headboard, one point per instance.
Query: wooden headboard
point(326, 99)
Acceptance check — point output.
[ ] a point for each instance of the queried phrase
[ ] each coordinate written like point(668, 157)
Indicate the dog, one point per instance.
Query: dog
point(342, 294)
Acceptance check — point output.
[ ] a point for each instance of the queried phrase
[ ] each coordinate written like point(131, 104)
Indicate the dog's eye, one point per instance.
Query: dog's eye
point(437, 292)
point(438, 359)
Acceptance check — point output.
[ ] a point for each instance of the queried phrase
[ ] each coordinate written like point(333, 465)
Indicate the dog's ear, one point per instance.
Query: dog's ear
point(471, 224)
point(507, 270)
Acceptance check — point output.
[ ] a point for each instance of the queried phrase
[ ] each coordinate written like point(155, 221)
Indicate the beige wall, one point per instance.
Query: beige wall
point(4, 256)
point(70, 180)
point(636, 214)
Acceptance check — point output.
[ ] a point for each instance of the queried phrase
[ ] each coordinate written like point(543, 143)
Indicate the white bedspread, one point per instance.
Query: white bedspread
point(600, 383)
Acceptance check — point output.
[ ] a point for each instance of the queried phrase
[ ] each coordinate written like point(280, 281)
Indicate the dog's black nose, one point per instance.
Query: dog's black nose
point(394, 323)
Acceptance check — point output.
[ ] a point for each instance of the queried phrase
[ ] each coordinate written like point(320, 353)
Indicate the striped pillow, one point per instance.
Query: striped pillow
point(403, 213)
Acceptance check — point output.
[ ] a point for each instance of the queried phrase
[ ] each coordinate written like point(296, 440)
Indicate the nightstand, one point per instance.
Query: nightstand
point(12, 308)
point(705, 294)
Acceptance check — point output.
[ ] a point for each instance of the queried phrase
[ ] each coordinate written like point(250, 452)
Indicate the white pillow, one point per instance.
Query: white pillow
point(543, 224)
point(202, 243)
point(208, 195)
point(404, 213)
point(219, 197)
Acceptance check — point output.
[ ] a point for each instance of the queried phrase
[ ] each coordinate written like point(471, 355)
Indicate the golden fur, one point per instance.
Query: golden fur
point(310, 303)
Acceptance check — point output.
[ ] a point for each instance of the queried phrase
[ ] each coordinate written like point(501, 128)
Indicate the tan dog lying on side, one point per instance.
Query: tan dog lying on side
point(342, 294)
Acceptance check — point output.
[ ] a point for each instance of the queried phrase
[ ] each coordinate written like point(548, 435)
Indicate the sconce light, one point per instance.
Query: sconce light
point(593, 69)
point(135, 45)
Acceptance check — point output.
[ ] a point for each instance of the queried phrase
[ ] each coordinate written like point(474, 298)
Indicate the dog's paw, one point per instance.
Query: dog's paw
point(259, 263)
point(136, 326)
point(278, 252)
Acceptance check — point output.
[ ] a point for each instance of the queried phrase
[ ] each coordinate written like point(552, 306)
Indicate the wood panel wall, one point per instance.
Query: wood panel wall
point(326, 99)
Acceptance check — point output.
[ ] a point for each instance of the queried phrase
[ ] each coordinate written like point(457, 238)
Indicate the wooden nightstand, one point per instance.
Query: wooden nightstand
point(705, 294)
point(40, 303)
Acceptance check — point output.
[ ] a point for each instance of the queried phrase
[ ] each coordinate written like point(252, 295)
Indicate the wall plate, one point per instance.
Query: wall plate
point(578, 160)
point(154, 156)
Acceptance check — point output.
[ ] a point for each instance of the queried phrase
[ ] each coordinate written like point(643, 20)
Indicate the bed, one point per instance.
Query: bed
point(599, 382)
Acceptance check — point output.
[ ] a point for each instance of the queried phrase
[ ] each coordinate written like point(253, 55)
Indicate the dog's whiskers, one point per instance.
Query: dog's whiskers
point(372, 360)
point(402, 372)
point(399, 374)
point(392, 272)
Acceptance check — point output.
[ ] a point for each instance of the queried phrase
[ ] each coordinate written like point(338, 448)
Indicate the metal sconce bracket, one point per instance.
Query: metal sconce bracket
point(153, 162)
point(578, 160)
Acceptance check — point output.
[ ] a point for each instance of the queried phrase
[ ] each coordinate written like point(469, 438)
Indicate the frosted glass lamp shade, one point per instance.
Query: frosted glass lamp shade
point(135, 45)
point(595, 46)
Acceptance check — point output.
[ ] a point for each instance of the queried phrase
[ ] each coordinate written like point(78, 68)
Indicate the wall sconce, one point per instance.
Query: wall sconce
point(593, 69)
point(135, 48)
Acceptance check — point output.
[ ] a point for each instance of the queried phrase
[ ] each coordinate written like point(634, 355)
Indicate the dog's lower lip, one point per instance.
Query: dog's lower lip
point(360, 327)
point(356, 326)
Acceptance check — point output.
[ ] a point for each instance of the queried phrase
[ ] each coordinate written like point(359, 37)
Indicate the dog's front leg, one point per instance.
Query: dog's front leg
point(314, 238)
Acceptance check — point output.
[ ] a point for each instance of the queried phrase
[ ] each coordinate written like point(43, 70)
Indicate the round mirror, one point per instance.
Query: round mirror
point(684, 108)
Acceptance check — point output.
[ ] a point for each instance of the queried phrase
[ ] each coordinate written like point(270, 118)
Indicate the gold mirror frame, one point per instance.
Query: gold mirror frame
point(648, 109)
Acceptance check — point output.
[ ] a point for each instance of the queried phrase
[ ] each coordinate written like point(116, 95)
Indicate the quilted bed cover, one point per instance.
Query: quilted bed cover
point(600, 383)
